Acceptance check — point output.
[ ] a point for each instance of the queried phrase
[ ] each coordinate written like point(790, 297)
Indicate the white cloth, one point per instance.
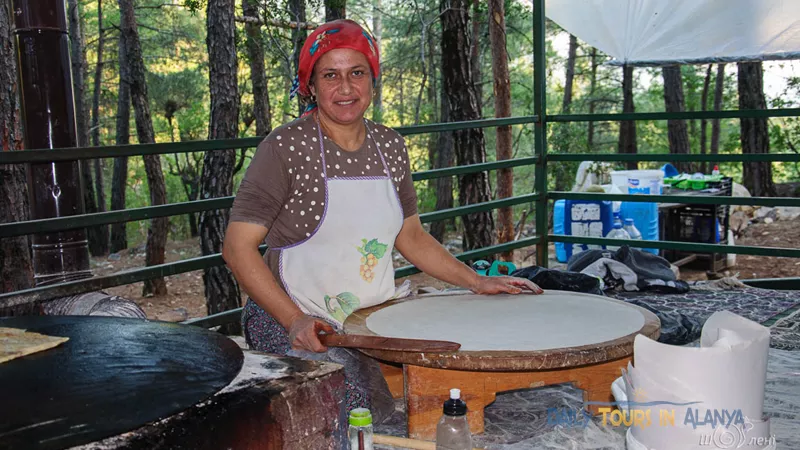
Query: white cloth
point(603, 266)
point(346, 263)
point(726, 374)
point(683, 31)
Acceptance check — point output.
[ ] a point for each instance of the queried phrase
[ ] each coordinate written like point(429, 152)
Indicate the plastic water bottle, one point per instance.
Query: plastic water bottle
point(617, 233)
point(715, 172)
point(452, 431)
point(360, 429)
point(633, 232)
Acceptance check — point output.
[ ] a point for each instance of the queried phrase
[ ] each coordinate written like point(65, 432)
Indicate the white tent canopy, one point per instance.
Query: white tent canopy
point(657, 32)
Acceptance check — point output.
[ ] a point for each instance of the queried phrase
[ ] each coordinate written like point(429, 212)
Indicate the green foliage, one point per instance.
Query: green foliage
point(173, 40)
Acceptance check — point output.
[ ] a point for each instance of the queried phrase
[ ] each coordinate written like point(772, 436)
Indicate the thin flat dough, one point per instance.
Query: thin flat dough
point(16, 343)
point(521, 322)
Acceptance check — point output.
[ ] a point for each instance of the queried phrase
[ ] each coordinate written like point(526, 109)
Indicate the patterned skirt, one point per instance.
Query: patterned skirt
point(365, 386)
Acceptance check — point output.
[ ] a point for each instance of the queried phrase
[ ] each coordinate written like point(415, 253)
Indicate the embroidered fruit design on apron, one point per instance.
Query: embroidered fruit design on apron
point(342, 305)
point(371, 252)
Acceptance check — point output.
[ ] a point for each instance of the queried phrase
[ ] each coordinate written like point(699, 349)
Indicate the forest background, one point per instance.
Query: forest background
point(183, 71)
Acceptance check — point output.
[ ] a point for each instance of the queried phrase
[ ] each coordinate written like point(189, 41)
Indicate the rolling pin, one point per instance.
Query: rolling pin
point(414, 444)
point(388, 343)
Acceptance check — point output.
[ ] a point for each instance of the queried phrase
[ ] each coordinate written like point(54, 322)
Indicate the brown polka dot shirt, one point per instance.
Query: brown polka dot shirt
point(284, 189)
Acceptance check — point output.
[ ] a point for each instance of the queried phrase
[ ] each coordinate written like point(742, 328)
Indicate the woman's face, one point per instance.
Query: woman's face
point(342, 83)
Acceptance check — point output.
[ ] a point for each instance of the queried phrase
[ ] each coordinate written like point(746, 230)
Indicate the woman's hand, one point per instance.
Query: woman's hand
point(304, 333)
point(504, 285)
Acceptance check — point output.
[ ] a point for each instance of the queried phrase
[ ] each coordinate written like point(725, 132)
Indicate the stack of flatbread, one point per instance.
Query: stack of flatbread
point(16, 343)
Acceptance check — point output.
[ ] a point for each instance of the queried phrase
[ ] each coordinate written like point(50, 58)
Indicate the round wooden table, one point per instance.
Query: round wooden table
point(508, 342)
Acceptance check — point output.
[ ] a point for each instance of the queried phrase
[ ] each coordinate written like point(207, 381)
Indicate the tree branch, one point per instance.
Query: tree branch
point(276, 23)
point(155, 6)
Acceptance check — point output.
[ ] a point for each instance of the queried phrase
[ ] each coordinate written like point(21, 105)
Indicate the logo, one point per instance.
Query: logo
point(736, 438)
point(727, 428)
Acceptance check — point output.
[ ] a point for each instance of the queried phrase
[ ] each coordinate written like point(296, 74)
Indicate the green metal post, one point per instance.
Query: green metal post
point(540, 130)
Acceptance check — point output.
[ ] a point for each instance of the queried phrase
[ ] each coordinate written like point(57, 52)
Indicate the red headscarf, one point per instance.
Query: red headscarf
point(329, 36)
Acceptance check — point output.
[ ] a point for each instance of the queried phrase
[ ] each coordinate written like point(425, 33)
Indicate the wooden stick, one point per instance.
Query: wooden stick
point(414, 444)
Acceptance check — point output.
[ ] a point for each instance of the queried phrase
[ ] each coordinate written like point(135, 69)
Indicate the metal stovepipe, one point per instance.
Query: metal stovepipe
point(48, 120)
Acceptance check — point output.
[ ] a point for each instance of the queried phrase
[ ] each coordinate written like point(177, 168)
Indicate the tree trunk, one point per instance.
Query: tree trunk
point(90, 206)
point(189, 174)
point(193, 192)
point(222, 291)
point(102, 230)
point(444, 158)
point(463, 100)
point(427, 67)
point(502, 107)
point(119, 179)
point(335, 10)
point(718, 91)
point(433, 90)
point(704, 122)
point(756, 176)
point(16, 269)
point(297, 9)
point(98, 77)
point(78, 54)
point(570, 75)
point(258, 74)
point(562, 173)
point(475, 54)
point(99, 187)
point(402, 109)
point(592, 101)
point(627, 128)
point(432, 137)
point(674, 102)
point(440, 150)
point(377, 32)
point(78, 60)
point(157, 234)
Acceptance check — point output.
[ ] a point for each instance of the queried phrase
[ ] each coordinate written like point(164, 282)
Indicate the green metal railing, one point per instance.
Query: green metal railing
point(540, 160)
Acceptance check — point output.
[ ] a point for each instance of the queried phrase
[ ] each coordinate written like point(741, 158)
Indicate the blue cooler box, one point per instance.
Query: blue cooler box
point(580, 218)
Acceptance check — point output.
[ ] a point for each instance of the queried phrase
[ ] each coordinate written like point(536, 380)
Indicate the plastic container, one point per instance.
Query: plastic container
point(617, 233)
point(580, 218)
point(452, 431)
point(669, 170)
point(558, 228)
point(638, 181)
point(360, 429)
point(619, 178)
point(633, 232)
point(645, 218)
point(613, 189)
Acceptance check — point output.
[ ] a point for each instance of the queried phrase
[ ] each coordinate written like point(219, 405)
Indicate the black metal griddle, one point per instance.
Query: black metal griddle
point(112, 376)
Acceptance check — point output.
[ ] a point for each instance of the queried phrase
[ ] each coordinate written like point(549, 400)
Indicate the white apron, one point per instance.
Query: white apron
point(346, 263)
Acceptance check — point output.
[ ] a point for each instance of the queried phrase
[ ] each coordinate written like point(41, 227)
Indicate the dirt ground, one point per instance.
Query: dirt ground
point(186, 292)
point(784, 234)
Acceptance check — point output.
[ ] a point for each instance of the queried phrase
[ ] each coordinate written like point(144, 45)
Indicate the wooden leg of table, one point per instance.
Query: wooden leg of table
point(596, 382)
point(427, 390)
point(394, 378)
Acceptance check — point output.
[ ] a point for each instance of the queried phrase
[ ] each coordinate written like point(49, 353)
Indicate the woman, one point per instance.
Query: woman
point(332, 194)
